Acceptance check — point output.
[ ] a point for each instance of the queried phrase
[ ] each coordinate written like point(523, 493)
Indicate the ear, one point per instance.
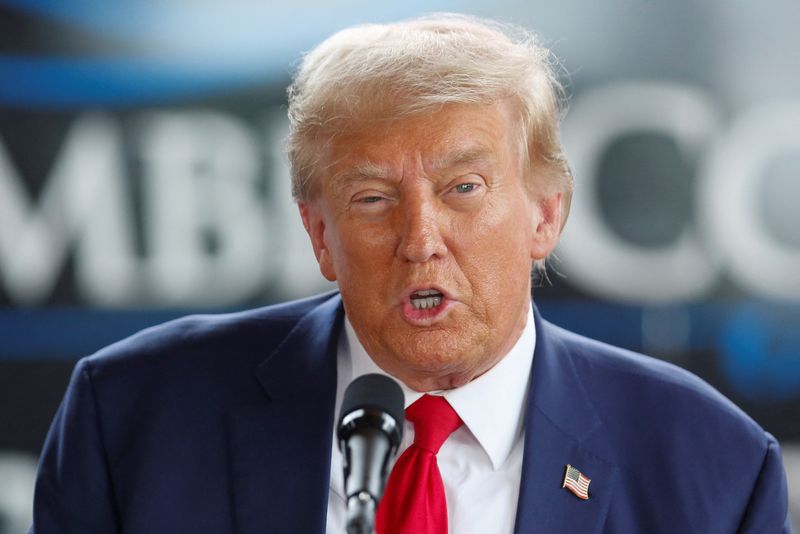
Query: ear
point(314, 223)
point(547, 226)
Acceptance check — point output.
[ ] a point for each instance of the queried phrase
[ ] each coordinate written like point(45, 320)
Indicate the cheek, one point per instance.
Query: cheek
point(502, 232)
point(494, 249)
point(362, 247)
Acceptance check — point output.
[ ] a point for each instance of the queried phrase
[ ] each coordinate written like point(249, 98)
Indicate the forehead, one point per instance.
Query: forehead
point(448, 136)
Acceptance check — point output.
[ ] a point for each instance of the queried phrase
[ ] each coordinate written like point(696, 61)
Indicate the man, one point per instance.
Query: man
point(429, 176)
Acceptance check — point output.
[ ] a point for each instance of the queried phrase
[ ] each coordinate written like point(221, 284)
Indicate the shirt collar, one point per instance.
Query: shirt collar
point(492, 406)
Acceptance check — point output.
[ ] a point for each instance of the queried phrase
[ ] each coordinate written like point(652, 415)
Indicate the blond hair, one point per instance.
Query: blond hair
point(384, 71)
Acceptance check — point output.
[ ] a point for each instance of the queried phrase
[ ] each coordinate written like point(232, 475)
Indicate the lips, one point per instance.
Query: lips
point(425, 306)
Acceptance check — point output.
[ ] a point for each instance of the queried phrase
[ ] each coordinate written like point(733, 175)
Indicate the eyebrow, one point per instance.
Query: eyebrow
point(369, 170)
point(464, 156)
point(364, 170)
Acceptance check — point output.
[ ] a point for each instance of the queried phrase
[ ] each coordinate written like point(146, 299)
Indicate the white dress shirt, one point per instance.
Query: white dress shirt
point(480, 462)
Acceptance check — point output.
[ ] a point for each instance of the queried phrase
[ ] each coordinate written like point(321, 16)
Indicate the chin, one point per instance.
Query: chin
point(438, 382)
point(436, 372)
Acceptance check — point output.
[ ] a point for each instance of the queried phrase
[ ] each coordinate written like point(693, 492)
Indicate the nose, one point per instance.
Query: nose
point(421, 227)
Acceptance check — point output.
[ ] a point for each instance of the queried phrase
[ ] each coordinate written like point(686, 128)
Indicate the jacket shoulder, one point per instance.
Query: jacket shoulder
point(250, 332)
point(676, 440)
point(631, 390)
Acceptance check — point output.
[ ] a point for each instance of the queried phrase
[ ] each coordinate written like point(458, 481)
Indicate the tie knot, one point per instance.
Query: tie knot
point(434, 420)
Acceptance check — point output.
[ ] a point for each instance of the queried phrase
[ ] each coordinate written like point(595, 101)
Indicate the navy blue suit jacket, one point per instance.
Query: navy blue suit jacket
point(223, 424)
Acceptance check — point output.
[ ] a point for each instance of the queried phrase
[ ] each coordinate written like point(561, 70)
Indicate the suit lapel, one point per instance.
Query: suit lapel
point(280, 448)
point(561, 427)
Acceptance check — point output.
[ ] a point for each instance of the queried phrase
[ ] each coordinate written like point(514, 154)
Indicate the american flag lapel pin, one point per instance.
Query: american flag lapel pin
point(576, 482)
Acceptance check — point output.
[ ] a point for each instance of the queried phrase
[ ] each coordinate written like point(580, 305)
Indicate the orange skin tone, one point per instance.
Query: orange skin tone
point(435, 200)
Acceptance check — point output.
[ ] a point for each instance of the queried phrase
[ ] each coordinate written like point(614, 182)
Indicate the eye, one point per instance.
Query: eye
point(368, 197)
point(465, 191)
point(370, 201)
point(465, 188)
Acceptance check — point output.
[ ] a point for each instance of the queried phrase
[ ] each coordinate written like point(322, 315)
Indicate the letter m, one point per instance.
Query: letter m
point(36, 235)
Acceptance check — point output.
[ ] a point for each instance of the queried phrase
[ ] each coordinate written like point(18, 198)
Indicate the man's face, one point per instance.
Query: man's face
point(428, 227)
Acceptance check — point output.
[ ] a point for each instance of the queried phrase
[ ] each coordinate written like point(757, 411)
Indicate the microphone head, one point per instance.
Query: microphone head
point(375, 401)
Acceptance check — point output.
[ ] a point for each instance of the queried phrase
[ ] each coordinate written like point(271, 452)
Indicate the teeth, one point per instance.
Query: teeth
point(426, 298)
point(425, 303)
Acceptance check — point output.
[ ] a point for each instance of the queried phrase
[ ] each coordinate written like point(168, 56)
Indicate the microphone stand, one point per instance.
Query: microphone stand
point(369, 433)
point(366, 480)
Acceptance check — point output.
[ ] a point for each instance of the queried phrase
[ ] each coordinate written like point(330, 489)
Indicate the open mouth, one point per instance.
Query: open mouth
point(426, 299)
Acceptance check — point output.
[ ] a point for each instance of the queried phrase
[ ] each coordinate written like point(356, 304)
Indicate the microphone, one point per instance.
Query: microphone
point(369, 432)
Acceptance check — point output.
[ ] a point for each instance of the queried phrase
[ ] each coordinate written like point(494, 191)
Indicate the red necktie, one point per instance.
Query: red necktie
point(414, 500)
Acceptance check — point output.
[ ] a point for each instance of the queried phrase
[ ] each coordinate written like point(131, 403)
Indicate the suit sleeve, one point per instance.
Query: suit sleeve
point(768, 509)
point(73, 487)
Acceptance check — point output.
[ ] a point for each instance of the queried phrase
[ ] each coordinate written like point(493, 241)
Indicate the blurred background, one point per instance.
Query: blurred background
point(142, 177)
